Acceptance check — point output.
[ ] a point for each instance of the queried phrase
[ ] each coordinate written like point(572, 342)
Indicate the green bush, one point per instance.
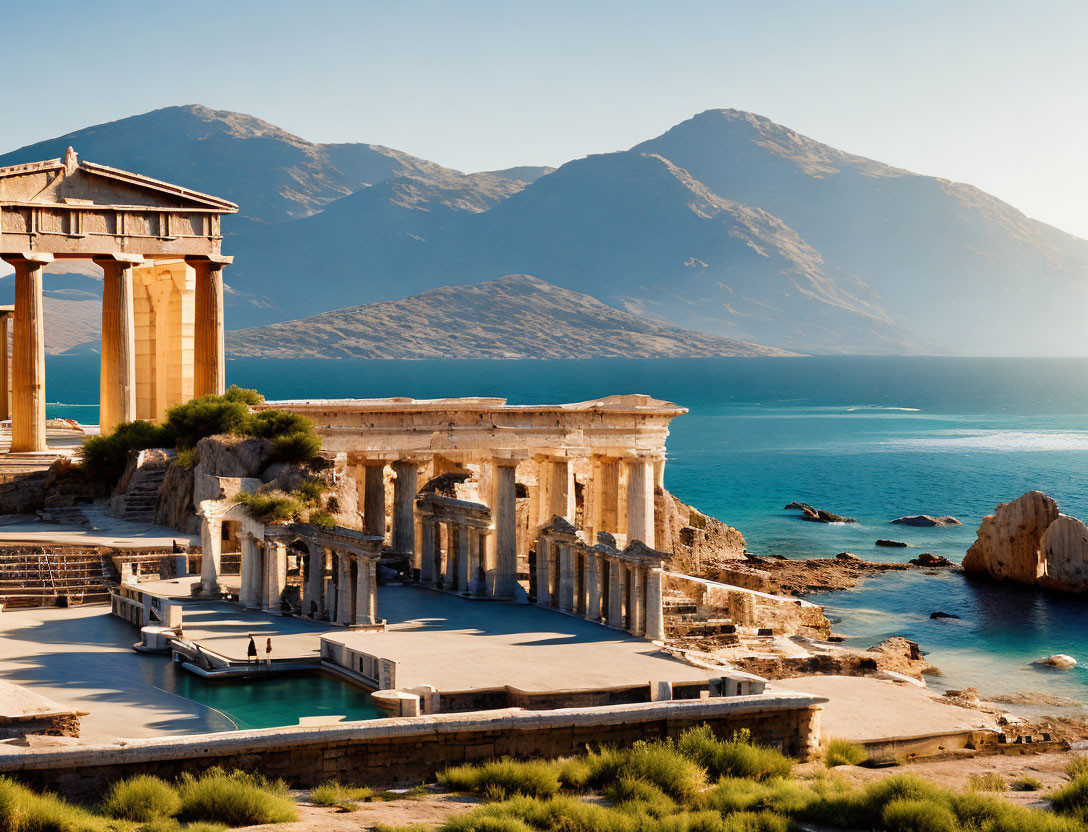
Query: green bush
point(271, 506)
point(659, 763)
point(320, 517)
point(1071, 799)
point(1077, 765)
point(311, 490)
point(922, 815)
point(187, 458)
point(844, 753)
point(991, 781)
point(298, 447)
point(331, 793)
point(236, 799)
point(142, 798)
point(504, 778)
point(105, 457)
point(1026, 783)
point(737, 757)
point(246, 396)
point(634, 790)
point(22, 810)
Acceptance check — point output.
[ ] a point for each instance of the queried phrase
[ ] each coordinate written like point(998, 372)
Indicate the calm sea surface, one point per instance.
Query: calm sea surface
point(873, 438)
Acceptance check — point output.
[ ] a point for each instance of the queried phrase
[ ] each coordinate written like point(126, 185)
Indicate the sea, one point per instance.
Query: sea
point(873, 438)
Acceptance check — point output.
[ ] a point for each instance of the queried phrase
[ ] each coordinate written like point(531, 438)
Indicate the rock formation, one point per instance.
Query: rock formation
point(1028, 541)
point(925, 520)
point(818, 515)
point(702, 545)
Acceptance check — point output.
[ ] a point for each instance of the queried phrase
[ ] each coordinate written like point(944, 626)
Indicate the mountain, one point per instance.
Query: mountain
point(72, 308)
point(271, 174)
point(727, 223)
point(516, 316)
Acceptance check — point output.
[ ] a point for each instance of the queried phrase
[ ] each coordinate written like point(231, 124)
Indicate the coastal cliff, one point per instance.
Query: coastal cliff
point(1030, 542)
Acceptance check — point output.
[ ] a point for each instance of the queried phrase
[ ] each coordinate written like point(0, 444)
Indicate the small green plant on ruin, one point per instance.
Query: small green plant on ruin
point(292, 435)
point(280, 507)
point(844, 753)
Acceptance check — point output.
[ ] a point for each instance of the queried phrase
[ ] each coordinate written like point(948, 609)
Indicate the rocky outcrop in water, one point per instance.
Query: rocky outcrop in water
point(818, 515)
point(926, 521)
point(1028, 541)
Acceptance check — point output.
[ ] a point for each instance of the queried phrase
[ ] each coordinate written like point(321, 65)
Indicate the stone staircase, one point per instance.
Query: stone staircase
point(34, 577)
point(684, 619)
point(141, 498)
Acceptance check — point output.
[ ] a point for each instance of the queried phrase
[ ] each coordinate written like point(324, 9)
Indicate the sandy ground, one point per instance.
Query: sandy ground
point(864, 708)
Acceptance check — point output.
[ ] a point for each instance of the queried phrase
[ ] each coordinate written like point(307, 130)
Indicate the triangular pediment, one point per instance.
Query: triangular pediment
point(69, 181)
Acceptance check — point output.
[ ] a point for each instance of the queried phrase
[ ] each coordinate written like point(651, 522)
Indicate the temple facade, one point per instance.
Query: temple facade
point(160, 250)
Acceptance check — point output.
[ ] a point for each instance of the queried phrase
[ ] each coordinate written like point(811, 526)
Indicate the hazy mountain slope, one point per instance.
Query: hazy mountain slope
point(73, 309)
point(516, 316)
point(956, 264)
point(272, 174)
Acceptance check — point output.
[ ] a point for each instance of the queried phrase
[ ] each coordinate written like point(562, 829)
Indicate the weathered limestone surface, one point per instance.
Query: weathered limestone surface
point(1028, 541)
point(701, 545)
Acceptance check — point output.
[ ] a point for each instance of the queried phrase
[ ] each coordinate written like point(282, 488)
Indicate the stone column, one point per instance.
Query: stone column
point(475, 540)
point(211, 546)
point(374, 499)
point(210, 365)
point(615, 593)
point(543, 572)
point(363, 591)
point(313, 591)
point(464, 560)
point(118, 378)
point(328, 590)
point(605, 497)
point(343, 590)
point(565, 584)
point(655, 612)
point(275, 568)
point(640, 501)
point(404, 501)
point(247, 597)
point(28, 354)
point(593, 586)
point(560, 489)
point(5, 378)
point(452, 534)
point(635, 626)
point(504, 516)
point(372, 586)
point(426, 549)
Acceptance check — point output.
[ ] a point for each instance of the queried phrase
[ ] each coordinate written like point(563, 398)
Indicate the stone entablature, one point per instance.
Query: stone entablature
point(159, 247)
point(620, 588)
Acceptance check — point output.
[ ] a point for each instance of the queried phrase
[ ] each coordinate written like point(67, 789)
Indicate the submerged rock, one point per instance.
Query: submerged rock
point(818, 515)
point(898, 544)
point(929, 559)
point(940, 614)
point(1061, 661)
point(926, 520)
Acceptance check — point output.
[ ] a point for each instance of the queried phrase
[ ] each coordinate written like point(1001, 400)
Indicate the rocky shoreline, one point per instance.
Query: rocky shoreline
point(779, 575)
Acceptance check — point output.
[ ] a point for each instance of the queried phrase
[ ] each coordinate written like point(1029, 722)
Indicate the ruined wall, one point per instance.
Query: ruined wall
point(703, 545)
point(402, 752)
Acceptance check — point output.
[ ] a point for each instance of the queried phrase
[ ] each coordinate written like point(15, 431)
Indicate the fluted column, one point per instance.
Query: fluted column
point(372, 590)
point(275, 568)
point(504, 516)
point(374, 498)
point(634, 616)
point(565, 582)
point(343, 589)
point(655, 613)
point(404, 500)
point(363, 591)
point(464, 560)
point(593, 586)
point(5, 377)
point(211, 547)
point(209, 376)
point(615, 593)
point(475, 539)
point(28, 354)
point(247, 595)
point(604, 497)
point(452, 533)
point(426, 549)
point(640, 501)
point(543, 572)
point(313, 596)
point(117, 401)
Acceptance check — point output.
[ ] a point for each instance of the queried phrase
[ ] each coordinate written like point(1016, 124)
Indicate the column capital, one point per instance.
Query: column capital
point(27, 256)
point(413, 461)
point(219, 260)
point(120, 257)
point(509, 459)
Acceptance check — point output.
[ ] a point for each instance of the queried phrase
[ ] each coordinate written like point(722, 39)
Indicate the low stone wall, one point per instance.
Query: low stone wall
point(60, 724)
point(399, 752)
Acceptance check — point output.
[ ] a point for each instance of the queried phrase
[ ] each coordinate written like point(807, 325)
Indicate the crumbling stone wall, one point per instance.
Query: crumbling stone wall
point(702, 545)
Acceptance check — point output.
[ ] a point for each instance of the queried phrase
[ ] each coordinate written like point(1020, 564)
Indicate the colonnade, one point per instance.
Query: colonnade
point(455, 548)
point(340, 586)
point(601, 583)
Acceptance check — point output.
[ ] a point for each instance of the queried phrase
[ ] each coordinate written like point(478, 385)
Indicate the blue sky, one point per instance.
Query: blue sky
point(990, 92)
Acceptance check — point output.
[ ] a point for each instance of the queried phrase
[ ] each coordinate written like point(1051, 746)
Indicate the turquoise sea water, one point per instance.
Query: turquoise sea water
point(869, 437)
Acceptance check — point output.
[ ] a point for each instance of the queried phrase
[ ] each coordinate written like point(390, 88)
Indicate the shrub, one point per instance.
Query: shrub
point(1026, 783)
point(310, 490)
point(22, 810)
point(737, 757)
point(755, 822)
point(979, 811)
point(194, 420)
point(1071, 799)
point(659, 763)
point(236, 799)
point(331, 793)
point(105, 457)
point(504, 778)
point(270, 506)
point(320, 517)
point(1077, 765)
point(649, 796)
point(246, 396)
point(296, 447)
point(844, 753)
point(905, 815)
point(991, 781)
point(142, 798)
point(574, 773)
point(187, 458)
point(268, 424)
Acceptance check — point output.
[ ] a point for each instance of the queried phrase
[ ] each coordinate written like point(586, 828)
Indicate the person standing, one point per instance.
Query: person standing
point(268, 651)
point(252, 649)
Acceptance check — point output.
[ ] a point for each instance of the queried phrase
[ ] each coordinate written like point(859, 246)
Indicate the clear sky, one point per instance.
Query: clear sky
point(991, 92)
